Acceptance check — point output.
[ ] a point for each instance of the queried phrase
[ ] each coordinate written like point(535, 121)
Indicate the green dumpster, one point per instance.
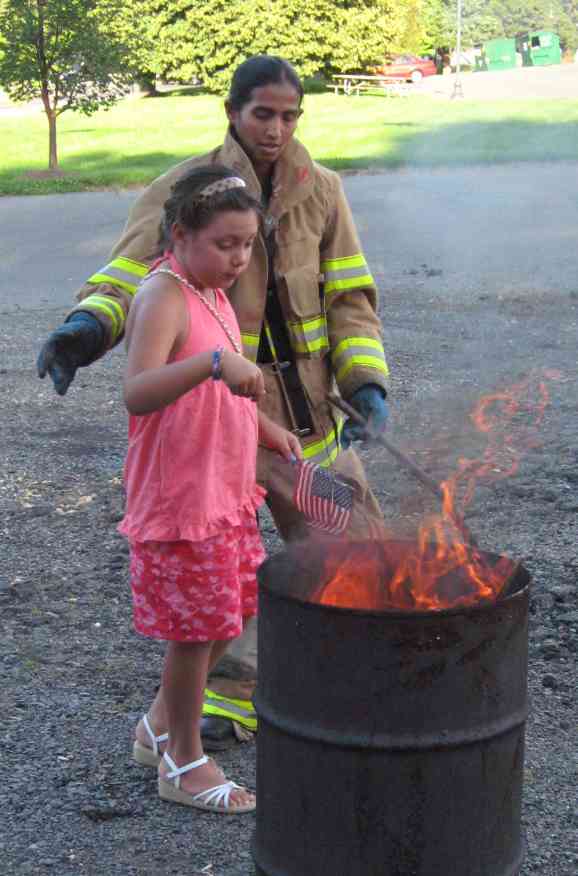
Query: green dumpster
point(500, 54)
point(540, 48)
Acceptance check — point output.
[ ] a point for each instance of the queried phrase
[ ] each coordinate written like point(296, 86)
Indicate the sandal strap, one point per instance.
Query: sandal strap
point(176, 771)
point(218, 796)
point(154, 739)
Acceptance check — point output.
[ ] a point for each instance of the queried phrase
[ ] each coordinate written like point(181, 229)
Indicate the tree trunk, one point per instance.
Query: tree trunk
point(52, 151)
point(147, 84)
point(49, 109)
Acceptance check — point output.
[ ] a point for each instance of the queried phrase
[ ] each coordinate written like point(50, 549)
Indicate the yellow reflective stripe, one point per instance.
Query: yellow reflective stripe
point(354, 261)
point(357, 282)
point(122, 272)
point(311, 324)
point(325, 451)
point(310, 335)
point(108, 306)
point(226, 707)
point(209, 709)
point(114, 281)
point(245, 708)
point(311, 346)
point(124, 263)
point(250, 346)
point(365, 362)
point(270, 339)
point(354, 351)
point(349, 342)
point(346, 273)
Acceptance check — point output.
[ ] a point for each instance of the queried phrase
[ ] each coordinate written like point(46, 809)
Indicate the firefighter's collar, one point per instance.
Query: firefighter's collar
point(292, 176)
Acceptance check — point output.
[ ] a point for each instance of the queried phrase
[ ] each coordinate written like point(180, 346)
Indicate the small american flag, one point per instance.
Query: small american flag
point(325, 501)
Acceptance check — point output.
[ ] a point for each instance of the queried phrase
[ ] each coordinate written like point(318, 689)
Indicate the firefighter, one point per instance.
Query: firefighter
point(306, 306)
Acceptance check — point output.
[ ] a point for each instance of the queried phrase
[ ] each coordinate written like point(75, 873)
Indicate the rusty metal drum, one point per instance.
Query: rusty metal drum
point(390, 743)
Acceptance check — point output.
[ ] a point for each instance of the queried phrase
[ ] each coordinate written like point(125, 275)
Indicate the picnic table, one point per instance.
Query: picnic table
point(352, 83)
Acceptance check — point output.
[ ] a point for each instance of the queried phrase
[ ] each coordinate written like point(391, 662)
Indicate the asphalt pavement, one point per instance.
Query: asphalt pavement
point(492, 228)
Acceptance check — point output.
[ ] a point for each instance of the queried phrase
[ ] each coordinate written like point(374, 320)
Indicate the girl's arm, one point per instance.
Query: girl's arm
point(276, 438)
point(156, 327)
point(156, 324)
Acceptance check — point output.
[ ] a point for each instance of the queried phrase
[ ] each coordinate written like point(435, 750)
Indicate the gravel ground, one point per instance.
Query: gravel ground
point(75, 678)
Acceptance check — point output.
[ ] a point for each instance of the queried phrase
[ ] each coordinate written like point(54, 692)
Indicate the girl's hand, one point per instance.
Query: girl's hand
point(281, 440)
point(241, 376)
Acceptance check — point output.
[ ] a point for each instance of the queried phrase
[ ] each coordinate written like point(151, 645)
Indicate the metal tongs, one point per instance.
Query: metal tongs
point(402, 458)
point(511, 581)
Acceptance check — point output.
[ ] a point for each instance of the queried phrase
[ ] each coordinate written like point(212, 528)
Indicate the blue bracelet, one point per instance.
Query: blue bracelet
point(217, 366)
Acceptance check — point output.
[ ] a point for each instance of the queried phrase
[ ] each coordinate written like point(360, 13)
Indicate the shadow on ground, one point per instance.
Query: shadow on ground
point(403, 144)
point(99, 170)
point(505, 141)
point(493, 142)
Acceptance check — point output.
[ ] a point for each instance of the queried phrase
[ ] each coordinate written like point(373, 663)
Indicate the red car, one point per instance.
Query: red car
point(408, 67)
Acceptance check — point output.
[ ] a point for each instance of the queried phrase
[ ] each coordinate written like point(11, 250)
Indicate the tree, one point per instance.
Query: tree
point(413, 32)
point(362, 34)
point(135, 25)
point(566, 26)
point(438, 25)
point(563, 20)
point(207, 39)
point(483, 20)
point(66, 53)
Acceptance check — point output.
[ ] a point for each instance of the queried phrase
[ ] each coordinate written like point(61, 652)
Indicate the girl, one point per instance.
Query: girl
point(307, 278)
point(190, 471)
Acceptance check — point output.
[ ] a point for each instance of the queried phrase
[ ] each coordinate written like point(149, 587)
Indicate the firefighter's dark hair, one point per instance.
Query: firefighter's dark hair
point(193, 212)
point(258, 71)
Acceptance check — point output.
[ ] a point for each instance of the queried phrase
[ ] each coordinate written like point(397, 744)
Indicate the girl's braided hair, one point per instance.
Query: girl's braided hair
point(193, 211)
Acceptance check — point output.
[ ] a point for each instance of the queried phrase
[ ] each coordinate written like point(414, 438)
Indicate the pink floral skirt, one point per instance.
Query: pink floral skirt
point(187, 591)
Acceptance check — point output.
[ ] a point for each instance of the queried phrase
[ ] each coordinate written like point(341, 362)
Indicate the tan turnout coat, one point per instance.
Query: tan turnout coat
point(325, 288)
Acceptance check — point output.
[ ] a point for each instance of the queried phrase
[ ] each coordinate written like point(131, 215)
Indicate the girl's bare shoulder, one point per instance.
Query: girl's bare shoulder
point(160, 299)
point(158, 286)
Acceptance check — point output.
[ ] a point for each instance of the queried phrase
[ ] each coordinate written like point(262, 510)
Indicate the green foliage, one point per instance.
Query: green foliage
point(135, 25)
point(207, 39)
point(187, 40)
point(67, 53)
point(566, 24)
point(413, 32)
point(362, 34)
point(438, 25)
point(487, 19)
point(516, 17)
point(64, 52)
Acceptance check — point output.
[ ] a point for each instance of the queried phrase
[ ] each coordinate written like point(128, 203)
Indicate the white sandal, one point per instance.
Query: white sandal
point(144, 755)
point(215, 799)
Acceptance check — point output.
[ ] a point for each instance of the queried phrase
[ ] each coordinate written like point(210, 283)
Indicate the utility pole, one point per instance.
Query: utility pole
point(458, 90)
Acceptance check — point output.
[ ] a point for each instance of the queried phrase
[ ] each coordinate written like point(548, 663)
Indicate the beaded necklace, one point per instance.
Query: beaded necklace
point(222, 322)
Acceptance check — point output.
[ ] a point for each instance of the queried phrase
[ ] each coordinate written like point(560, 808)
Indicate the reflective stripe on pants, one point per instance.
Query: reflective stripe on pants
point(241, 711)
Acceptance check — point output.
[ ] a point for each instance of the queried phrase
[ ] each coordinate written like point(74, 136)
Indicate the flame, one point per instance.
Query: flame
point(444, 568)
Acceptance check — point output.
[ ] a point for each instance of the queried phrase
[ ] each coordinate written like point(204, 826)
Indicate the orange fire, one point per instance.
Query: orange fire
point(444, 568)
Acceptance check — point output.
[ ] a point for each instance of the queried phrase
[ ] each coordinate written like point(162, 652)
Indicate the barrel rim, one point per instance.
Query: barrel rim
point(394, 614)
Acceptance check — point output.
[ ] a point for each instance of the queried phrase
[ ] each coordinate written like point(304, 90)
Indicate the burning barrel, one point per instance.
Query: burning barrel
point(391, 742)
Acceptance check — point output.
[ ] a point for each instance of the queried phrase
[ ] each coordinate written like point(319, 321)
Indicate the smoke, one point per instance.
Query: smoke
point(474, 265)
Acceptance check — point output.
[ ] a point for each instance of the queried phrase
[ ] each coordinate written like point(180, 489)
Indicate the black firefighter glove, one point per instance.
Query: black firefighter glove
point(369, 400)
point(78, 342)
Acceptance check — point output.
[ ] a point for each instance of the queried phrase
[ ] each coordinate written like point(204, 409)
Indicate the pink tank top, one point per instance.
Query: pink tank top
point(190, 469)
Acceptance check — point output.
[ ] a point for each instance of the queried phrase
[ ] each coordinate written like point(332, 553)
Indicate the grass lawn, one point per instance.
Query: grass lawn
point(141, 137)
